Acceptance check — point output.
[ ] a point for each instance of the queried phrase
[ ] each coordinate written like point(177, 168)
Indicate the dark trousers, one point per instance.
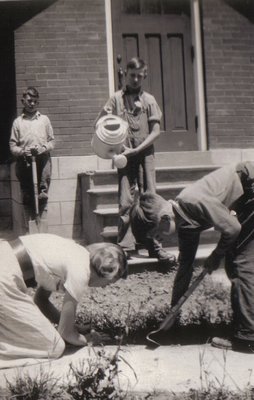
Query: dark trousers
point(140, 171)
point(188, 241)
point(25, 177)
point(240, 270)
point(239, 265)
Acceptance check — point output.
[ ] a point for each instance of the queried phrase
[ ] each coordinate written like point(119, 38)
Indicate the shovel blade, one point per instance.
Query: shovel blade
point(38, 226)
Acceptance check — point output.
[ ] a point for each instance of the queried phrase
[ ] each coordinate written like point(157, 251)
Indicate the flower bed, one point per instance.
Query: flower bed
point(137, 305)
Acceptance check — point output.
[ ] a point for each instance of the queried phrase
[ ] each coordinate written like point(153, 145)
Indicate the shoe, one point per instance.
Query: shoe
point(221, 343)
point(242, 346)
point(43, 196)
point(162, 255)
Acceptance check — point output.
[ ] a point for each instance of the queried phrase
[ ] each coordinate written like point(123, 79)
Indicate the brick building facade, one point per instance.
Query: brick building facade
point(63, 50)
point(229, 74)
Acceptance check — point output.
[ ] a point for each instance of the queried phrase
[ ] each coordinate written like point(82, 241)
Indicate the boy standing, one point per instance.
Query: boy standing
point(143, 115)
point(32, 135)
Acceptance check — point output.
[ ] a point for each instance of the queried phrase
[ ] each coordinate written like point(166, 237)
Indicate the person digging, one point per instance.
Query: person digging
point(223, 199)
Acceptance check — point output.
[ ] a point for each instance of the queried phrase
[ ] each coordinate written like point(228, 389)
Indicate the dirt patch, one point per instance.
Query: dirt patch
point(137, 305)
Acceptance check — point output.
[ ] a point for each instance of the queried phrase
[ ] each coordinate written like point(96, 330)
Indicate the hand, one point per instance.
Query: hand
point(97, 339)
point(34, 150)
point(84, 328)
point(212, 262)
point(74, 338)
point(129, 152)
point(27, 152)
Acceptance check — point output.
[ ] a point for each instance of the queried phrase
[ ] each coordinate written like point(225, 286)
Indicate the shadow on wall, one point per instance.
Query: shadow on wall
point(12, 15)
point(244, 7)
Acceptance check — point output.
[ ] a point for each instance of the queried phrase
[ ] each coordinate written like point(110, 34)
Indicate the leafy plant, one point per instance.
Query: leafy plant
point(42, 387)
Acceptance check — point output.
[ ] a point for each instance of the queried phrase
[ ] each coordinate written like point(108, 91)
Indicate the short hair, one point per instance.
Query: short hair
point(136, 63)
point(31, 91)
point(110, 261)
point(145, 214)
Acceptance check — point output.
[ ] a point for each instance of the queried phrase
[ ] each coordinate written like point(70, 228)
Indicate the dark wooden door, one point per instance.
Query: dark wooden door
point(162, 37)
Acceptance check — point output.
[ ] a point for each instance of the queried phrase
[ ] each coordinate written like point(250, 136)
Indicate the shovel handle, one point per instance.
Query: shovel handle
point(170, 318)
point(35, 185)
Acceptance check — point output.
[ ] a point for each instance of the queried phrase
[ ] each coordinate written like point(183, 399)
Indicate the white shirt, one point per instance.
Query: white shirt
point(30, 132)
point(59, 263)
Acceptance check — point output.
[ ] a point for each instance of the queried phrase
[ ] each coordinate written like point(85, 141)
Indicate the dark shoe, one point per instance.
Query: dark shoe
point(162, 255)
point(242, 346)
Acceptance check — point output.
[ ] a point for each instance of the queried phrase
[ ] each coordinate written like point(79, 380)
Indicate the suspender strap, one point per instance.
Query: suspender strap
point(24, 260)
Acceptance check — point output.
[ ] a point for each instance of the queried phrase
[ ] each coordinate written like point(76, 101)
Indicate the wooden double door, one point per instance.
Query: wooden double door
point(159, 31)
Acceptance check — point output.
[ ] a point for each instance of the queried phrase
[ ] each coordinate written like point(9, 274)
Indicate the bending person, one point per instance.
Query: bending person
point(55, 263)
point(212, 201)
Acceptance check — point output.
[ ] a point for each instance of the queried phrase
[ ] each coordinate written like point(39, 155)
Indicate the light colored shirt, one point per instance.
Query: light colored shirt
point(59, 263)
point(209, 200)
point(35, 131)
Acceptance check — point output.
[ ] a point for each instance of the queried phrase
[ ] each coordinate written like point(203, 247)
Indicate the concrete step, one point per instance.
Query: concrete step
point(168, 174)
point(109, 234)
point(99, 193)
point(106, 189)
point(140, 261)
point(108, 194)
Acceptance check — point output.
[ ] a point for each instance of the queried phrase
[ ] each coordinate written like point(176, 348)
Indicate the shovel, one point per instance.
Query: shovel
point(38, 225)
point(170, 318)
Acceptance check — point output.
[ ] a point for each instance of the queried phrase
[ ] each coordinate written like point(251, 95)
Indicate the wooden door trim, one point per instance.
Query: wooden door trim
point(195, 19)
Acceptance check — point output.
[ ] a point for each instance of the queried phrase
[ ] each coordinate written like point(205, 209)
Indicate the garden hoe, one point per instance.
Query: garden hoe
point(170, 318)
point(38, 225)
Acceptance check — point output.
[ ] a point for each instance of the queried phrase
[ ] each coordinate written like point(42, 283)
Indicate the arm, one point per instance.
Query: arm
point(154, 134)
point(50, 137)
point(228, 236)
point(229, 227)
point(41, 299)
point(15, 147)
point(109, 108)
point(67, 328)
point(50, 140)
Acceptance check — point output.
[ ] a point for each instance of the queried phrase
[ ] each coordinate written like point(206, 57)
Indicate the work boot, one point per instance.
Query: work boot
point(162, 256)
point(222, 343)
point(155, 250)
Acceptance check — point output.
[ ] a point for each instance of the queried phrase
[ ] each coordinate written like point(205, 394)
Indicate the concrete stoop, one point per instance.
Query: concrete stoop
point(140, 261)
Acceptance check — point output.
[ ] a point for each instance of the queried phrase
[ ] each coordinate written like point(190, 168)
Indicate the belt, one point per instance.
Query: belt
point(24, 261)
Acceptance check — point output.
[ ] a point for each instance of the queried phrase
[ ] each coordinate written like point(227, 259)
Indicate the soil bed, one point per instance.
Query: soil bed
point(133, 307)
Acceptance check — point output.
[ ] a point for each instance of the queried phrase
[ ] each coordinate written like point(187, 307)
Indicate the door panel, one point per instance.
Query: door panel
point(163, 41)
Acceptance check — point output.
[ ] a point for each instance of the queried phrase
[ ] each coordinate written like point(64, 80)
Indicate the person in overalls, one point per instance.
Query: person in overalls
point(143, 115)
point(223, 199)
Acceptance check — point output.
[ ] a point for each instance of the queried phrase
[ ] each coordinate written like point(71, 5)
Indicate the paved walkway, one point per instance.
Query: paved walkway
point(167, 368)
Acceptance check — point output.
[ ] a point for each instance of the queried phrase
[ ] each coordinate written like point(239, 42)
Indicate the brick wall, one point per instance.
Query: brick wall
point(229, 72)
point(62, 51)
point(5, 199)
